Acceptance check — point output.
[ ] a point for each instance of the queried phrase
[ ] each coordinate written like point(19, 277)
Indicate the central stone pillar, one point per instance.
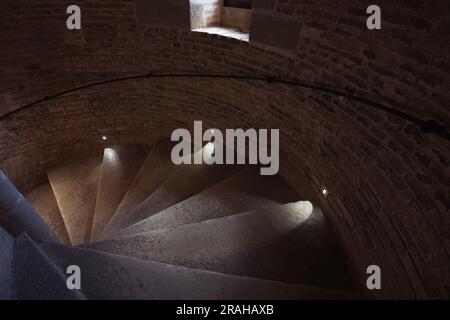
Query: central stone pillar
point(6, 256)
point(18, 216)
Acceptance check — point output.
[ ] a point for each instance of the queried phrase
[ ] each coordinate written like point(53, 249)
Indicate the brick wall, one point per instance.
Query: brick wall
point(236, 18)
point(164, 12)
point(388, 182)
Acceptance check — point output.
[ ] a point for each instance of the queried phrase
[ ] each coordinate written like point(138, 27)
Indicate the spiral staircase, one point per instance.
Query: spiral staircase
point(139, 227)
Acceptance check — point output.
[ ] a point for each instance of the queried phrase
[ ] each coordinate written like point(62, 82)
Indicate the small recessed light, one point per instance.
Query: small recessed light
point(325, 192)
point(104, 138)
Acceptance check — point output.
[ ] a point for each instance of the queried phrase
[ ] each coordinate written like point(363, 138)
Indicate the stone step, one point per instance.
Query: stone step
point(108, 276)
point(6, 256)
point(291, 243)
point(186, 181)
point(120, 166)
point(245, 191)
point(75, 187)
point(36, 277)
point(153, 172)
point(43, 200)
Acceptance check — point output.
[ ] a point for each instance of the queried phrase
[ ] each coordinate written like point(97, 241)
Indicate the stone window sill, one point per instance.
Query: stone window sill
point(226, 32)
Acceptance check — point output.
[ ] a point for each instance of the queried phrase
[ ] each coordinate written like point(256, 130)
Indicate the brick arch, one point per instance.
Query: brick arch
point(388, 182)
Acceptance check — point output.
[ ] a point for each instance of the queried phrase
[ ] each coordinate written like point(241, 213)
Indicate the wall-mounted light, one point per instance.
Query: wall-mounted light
point(325, 192)
point(104, 138)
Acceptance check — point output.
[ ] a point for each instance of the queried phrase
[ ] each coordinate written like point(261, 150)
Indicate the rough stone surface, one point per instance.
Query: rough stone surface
point(36, 277)
point(290, 244)
point(388, 181)
point(42, 199)
point(185, 181)
point(75, 187)
point(6, 256)
point(242, 192)
point(154, 171)
point(152, 280)
point(119, 167)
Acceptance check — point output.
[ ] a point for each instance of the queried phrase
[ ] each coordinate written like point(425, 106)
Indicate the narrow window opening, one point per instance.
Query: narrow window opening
point(226, 18)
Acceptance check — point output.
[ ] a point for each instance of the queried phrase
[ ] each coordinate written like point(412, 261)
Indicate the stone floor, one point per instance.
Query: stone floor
point(226, 32)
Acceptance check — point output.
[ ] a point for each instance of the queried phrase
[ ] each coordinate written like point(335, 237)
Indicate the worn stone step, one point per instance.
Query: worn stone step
point(36, 277)
point(291, 243)
point(75, 187)
point(153, 172)
point(108, 276)
point(186, 181)
point(120, 166)
point(43, 200)
point(245, 191)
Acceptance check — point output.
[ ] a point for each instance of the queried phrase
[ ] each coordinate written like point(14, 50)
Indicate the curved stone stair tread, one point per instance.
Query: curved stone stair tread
point(291, 244)
point(244, 191)
point(75, 187)
point(43, 200)
point(120, 165)
point(108, 276)
point(36, 277)
point(6, 257)
point(186, 181)
point(153, 172)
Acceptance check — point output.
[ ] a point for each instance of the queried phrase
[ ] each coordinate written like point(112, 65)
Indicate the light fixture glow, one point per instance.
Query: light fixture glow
point(325, 192)
point(104, 138)
point(111, 154)
point(208, 151)
point(304, 209)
